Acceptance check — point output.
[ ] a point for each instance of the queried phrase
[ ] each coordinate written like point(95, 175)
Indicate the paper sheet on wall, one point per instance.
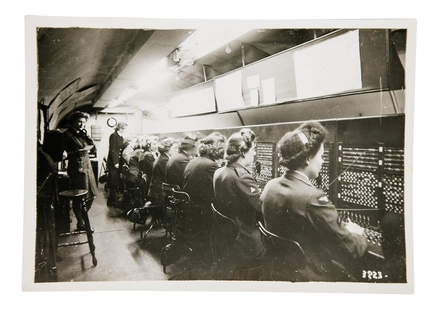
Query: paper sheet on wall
point(329, 67)
point(254, 97)
point(228, 91)
point(268, 91)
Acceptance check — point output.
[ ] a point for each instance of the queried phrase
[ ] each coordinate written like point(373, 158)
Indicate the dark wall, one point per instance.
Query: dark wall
point(360, 131)
point(390, 130)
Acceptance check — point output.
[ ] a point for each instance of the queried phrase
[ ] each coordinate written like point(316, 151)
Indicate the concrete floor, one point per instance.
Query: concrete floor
point(121, 254)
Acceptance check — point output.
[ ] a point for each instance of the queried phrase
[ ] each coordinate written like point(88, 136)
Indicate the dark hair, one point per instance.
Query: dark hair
point(76, 115)
point(189, 141)
point(213, 146)
point(165, 144)
point(302, 143)
point(148, 140)
point(238, 144)
point(135, 156)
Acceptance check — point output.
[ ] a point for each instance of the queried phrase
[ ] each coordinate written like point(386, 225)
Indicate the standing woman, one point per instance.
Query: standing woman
point(237, 194)
point(295, 209)
point(79, 168)
point(116, 142)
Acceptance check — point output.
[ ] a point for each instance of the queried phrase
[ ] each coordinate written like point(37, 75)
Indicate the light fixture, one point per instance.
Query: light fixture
point(176, 55)
point(228, 49)
point(198, 44)
point(188, 62)
point(206, 40)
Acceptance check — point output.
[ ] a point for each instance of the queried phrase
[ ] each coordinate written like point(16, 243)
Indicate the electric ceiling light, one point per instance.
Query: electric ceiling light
point(197, 45)
point(204, 41)
point(228, 49)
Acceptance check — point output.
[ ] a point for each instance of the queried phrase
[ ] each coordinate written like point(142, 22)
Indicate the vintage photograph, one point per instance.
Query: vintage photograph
point(270, 155)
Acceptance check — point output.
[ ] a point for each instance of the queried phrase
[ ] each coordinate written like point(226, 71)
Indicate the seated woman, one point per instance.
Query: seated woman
point(147, 159)
point(237, 194)
point(176, 166)
point(132, 178)
point(167, 148)
point(198, 177)
point(133, 182)
point(130, 144)
point(295, 209)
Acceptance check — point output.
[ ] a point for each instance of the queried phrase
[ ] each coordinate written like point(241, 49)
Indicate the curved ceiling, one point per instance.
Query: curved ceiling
point(86, 68)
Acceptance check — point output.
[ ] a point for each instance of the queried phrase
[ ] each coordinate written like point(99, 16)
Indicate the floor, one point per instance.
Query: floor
point(121, 253)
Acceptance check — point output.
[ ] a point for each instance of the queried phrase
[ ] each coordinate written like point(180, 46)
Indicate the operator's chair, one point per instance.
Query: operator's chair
point(284, 258)
point(132, 189)
point(167, 207)
point(183, 233)
point(78, 196)
point(223, 236)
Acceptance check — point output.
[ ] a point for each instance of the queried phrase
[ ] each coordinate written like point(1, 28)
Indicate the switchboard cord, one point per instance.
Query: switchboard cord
point(347, 168)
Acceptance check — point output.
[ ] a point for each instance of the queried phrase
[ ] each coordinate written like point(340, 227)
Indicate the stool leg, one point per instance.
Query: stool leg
point(89, 232)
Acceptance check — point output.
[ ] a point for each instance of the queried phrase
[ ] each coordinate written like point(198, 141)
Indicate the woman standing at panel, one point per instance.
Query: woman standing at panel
point(167, 148)
point(116, 142)
point(295, 209)
point(198, 180)
point(77, 145)
point(237, 194)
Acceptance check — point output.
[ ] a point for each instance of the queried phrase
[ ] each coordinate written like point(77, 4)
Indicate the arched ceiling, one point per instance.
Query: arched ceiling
point(86, 68)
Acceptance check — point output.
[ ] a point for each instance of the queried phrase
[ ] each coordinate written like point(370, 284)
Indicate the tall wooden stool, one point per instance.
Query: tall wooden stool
point(78, 195)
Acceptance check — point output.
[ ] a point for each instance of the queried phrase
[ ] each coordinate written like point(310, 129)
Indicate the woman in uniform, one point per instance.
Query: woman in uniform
point(295, 209)
point(188, 147)
point(197, 181)
point(237, 194)
point(167, 148)
point(116, 142)
point(77, 146)
point(147, 159)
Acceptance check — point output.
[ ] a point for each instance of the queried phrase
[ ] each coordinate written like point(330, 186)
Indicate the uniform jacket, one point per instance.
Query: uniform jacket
point(175, 168)
point(146, 163)
point(155, 189)
point(293, 208)
point(79, 167)
point(197, 182)
point(116, 143)
point(237, 196)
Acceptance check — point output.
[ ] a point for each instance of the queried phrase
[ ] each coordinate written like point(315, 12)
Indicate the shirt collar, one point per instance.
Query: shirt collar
point(239, 163)
point(302, 174)
point(298, 175)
